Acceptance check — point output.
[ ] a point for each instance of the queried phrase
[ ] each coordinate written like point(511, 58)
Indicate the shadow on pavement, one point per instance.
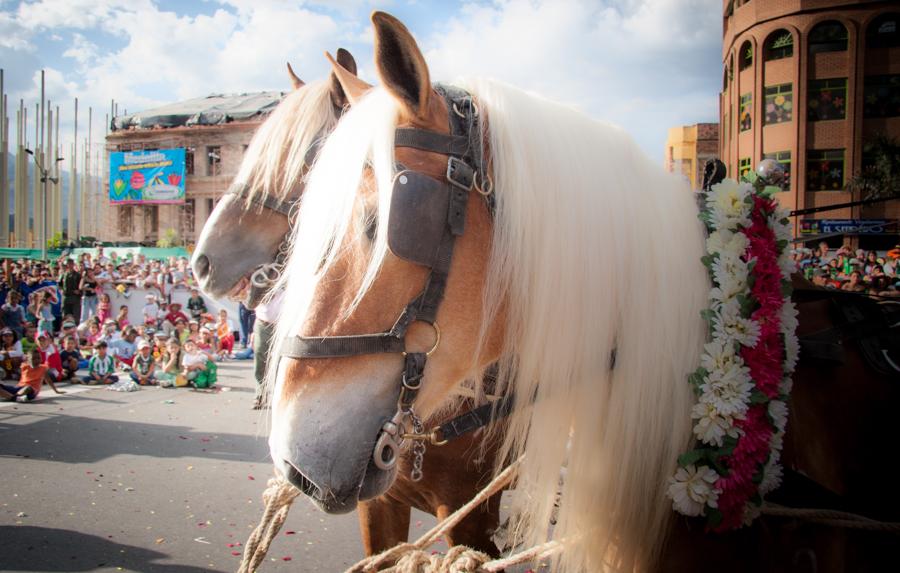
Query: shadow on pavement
point(75, 439)
point(27, 548)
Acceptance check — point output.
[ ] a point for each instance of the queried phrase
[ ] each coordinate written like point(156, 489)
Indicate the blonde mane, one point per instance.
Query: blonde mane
point(275, 159)
point(595, 254)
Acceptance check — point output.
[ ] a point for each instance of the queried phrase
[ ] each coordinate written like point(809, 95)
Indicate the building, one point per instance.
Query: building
point(810, 83)
point(214, 132)
point(689, 147)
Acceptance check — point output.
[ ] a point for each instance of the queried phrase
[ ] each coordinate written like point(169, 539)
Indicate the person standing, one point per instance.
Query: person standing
point(88, 295)
point(70, 283)
point(247, 318)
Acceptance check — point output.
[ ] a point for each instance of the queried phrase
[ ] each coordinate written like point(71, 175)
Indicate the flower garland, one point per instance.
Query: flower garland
point(743, 381)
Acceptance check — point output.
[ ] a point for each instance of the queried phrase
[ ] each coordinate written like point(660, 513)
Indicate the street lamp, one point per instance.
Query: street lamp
point(44, 179)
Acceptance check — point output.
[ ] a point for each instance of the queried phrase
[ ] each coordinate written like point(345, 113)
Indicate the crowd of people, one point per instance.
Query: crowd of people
point(849, 270)
point(57, 323)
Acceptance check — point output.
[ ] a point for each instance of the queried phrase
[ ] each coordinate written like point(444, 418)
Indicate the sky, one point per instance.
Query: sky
point(645, 65)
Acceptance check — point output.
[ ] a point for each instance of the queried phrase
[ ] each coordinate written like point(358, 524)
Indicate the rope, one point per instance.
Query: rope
point(417, 562)
point(831, 517)
point(278, 497)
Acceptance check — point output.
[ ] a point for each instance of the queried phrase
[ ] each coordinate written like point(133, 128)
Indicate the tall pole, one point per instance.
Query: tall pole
point(48, 196)
point(37, 197)
point(4, 167)
point(86, 175)
point(20, 221)
point(57, 185)
point(72, 230)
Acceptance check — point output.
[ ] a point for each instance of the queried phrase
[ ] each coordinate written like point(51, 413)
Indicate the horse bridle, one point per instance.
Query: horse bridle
point(427, 215)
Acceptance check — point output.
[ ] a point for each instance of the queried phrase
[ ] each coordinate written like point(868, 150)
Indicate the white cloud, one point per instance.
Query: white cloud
point(74, 14)
point(82, 50)
point(13, 35)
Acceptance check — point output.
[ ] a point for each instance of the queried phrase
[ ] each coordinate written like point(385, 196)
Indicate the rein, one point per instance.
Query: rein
point(417, 200)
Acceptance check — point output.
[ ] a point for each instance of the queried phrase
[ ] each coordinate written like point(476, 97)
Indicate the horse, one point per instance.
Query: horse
point(546, 250)
point(253, 220)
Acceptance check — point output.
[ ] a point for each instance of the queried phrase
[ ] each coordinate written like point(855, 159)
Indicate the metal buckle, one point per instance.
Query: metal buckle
point(460, 174)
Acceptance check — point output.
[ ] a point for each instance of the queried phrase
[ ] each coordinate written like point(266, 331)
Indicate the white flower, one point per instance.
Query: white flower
point(712, 427)
point(791, 352)
point(778, 411)
point(783, 232)
point(729, 326)
point(786, 385)
point(776, 443)
point(730, 273)
point(727, 243)
point(718, 356)
point(726, 204)
point(751, 512)
point(692, 489)
point(787, 265)
point(728, 391)
point(788, 317)
point(772, 475)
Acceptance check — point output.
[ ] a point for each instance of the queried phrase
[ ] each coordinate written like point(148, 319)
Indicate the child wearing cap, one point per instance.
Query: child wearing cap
point(101, 369)
point(143, 366)
point(150, 311)
point(34, 374)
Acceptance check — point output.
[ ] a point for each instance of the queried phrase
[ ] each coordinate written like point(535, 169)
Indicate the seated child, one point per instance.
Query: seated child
point(11, 354)
point(143, 365)
point(50, 356)
point(225, 334)
point(34, 374)
point(124, 349)
point(169, 362)
point(122, 317)
point(70, 357)
point(29, 342)
point(194, 361)
point(101, 368)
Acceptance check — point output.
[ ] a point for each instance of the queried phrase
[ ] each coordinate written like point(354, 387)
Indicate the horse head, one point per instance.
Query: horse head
point(361, 269)
point(240, 248)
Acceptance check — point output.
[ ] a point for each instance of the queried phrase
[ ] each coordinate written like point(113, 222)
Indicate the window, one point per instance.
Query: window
point(830, 36)
point(186, 216)
point(189, 160)
point(881, 96)
point(213, 160)
point(210, 205)
point(779, 103)
point(126, 220)
point(827, 99)
point(779, 45)
point(825, 170)
point(746, 121)
point(745, 57)
point(151, 219)
point(744, 167)
point(783, 157)
point(884, 32)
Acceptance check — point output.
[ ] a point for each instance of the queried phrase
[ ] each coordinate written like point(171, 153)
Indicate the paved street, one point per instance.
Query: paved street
point(162, 480)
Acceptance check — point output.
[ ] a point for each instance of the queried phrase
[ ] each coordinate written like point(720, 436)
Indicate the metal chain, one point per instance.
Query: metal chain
point(418, 446)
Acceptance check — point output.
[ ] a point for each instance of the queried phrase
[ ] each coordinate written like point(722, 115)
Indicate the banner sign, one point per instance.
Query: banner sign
point(146, 177)
point(848, 226)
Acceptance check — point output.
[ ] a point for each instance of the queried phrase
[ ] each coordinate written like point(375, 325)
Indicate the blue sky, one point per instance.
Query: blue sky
point(645, 65)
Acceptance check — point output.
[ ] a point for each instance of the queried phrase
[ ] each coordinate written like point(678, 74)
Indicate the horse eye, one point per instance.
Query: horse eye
point(371, 226)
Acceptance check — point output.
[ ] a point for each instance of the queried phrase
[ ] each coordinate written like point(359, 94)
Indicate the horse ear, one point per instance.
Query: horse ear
point(346, 61)
point(352, 87)
point(400, 64)
point(295, 81)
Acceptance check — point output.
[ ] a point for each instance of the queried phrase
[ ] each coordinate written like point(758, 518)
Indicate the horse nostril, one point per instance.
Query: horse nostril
point(301, 482)
point(201, 266)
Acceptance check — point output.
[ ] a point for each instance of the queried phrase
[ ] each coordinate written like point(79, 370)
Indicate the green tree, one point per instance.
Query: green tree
point(169, 239)
point(880, 175)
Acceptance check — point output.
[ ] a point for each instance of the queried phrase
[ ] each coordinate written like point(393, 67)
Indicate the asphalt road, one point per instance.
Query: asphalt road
point(166, 480)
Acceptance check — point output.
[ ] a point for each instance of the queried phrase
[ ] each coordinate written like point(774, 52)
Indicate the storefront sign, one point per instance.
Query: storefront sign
point(848, 226)
point(146, 177)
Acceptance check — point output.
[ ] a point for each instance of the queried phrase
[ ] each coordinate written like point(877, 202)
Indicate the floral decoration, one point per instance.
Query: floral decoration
point(743, 381)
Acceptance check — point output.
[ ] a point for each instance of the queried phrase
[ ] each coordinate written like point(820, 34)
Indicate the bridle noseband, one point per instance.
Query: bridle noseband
point(427, 215)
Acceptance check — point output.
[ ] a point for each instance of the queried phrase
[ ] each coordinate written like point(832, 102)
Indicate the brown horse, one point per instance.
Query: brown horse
point(563, 275)
point(454, 473)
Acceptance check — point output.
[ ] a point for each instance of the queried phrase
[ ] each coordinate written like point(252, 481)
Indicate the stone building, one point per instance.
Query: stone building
point(689, 147)
point(811, 83)
point(214, 131)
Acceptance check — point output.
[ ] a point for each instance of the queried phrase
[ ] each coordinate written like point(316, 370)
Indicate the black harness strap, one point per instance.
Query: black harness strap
point(474, 419)
point(431, 141)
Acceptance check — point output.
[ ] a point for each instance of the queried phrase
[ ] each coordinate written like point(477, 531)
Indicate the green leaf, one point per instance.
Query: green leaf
point(691, 457)
point(708, 314)
point(708, 260)
point(782, 244)
point(757, 397)
point(713, 517)
point(770, 190)
point(786, 288)
point(702, 371)
point(750, 177)
point(696, 381)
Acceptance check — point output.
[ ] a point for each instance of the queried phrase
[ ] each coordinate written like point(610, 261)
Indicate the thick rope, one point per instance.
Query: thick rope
point(278, 497)
point(831, 517)
point(394, 554)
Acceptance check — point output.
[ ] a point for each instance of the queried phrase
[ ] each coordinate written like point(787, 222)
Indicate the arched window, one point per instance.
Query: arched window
point(884, 32)
point(830, 36)
point(779, 44)
point(745, 56)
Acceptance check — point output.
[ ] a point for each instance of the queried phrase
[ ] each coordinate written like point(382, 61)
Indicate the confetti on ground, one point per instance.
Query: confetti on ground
point(290, 532)
point(235, 552)
point(286, 558)
point(161, 540)
point(21, 514)
point(168, 401)
point(251, 478)
point(202, 540)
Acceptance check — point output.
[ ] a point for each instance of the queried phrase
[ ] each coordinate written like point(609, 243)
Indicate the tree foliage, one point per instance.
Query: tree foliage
point(880, 175)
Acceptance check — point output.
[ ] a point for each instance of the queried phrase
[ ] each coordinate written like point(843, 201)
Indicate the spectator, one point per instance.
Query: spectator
point(196, 306)
point(70, 358)
point(101, 368)
point(89, 301)
point(70, 283)
point(13, 315)
point(224, 332)
point(34, 375)
point(10, 353)
point(143, 365)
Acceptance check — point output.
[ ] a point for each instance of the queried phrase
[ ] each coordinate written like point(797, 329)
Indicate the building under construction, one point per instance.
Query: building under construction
point(214, 132)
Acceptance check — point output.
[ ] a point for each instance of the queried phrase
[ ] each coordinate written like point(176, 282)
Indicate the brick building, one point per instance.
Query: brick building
point(214, 131)
point(810, 83)
point(689, 147)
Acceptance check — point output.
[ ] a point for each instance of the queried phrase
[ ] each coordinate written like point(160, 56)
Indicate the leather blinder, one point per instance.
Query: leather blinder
point(418, 220)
